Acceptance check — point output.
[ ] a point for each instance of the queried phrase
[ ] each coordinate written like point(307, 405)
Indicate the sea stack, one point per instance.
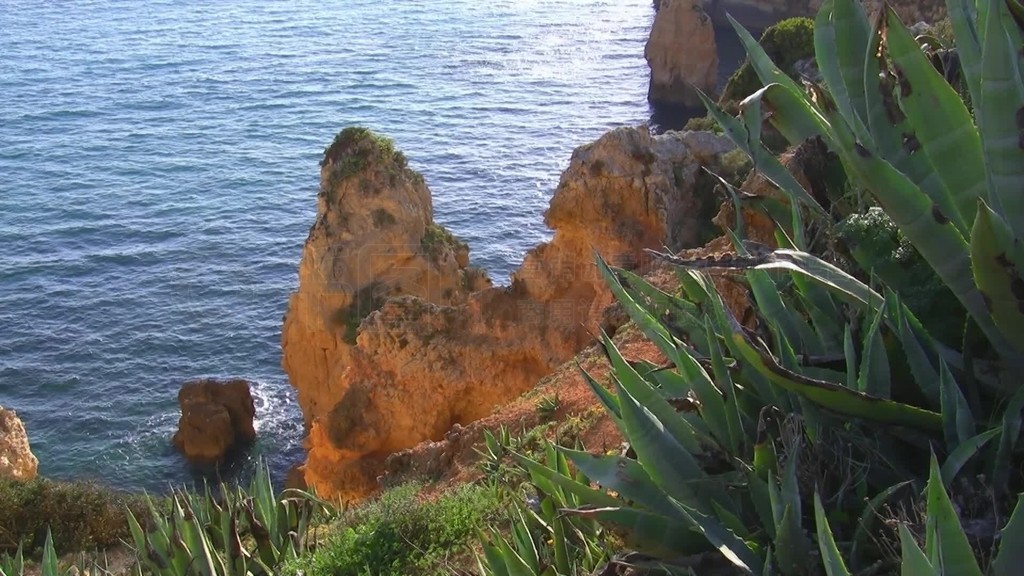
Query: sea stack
point(682, 54)
point(392, 338)
point(216, 417)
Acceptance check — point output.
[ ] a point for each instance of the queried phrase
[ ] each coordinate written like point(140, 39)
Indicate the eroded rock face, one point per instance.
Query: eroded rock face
point(16, 459)
point(435, 354)
point(682, 54)
point(216, 416)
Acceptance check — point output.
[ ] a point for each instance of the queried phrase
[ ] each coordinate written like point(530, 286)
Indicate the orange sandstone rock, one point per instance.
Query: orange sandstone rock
point(396, 351)
point(682, 53)
point(16, 459)
point(216, 416)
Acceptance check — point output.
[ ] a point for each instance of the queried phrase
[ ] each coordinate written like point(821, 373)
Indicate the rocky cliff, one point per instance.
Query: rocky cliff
point(391, 338)
point(16, 459)
point(681, 53)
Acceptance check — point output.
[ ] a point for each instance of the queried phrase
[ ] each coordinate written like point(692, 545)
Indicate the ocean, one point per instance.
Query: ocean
point(158, 176)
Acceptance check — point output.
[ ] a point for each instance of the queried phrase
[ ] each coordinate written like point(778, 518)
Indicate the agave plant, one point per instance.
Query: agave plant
point(544, 540)
point(244, 532)
point(708, 472)
point(49, 566)
point(950, 181)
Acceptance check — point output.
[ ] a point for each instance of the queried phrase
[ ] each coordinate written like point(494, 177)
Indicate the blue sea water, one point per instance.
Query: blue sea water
point(158, 176)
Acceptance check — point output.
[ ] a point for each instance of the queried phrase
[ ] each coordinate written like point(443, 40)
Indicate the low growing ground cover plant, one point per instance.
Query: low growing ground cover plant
point(402, 533)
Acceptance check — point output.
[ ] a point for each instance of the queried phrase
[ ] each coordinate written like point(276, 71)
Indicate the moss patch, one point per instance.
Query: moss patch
point(382, 218)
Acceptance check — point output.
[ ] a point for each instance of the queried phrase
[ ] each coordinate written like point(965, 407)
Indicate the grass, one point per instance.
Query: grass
point(82, 516)
point(401, 533)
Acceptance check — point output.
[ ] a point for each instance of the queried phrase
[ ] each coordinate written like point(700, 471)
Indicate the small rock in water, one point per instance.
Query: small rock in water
point(216, 416)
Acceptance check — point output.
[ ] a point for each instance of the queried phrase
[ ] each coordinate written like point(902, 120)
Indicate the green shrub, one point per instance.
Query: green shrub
point(400, 534)
point(81, 515)
point(786, 43)
point(880, 249)
point(703, 124)
point(436, 240)
point(355, 148)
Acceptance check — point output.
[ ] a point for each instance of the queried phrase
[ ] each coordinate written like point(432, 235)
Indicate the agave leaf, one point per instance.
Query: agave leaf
point(734, 420)
point(495, 565)
point(809, 265)
point(957, 420)
point(998, 260)
point(892, 132)
point(790, 322)
point(914, 345)
point(822, 311)
point(673, 469)
point(764, 161)
point(623, 475)
point(584, 492)
point(514, 562)
point(49, 565)
point(942, 124)
point(1010, 558)
point(830, 555)
point(874, 368)
point(731, 521)
point(650, 532)
point(640, 389)
point(964, 18)
point(655, 328)
point(828, 55)
point(138, 535)
point(850, 353)
point(914, 562)
point(833, 396)
point(731, 546)
point(968, 448)
point(791, 544)
point(608, 400)
point(1000, 113)
point(790, 486)
point(1011, 423)
point(945, 536)
point(524, 541)
point(758, 492)
point(928, 229)
point(791, 114)
point(759, 60)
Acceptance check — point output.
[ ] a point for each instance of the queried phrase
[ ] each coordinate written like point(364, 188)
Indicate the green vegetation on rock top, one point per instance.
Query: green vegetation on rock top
point(786, 43)
point(355, 148)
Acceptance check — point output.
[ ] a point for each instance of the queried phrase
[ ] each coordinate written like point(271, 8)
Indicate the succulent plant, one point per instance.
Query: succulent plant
point(239, 531)
point(720, 432)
